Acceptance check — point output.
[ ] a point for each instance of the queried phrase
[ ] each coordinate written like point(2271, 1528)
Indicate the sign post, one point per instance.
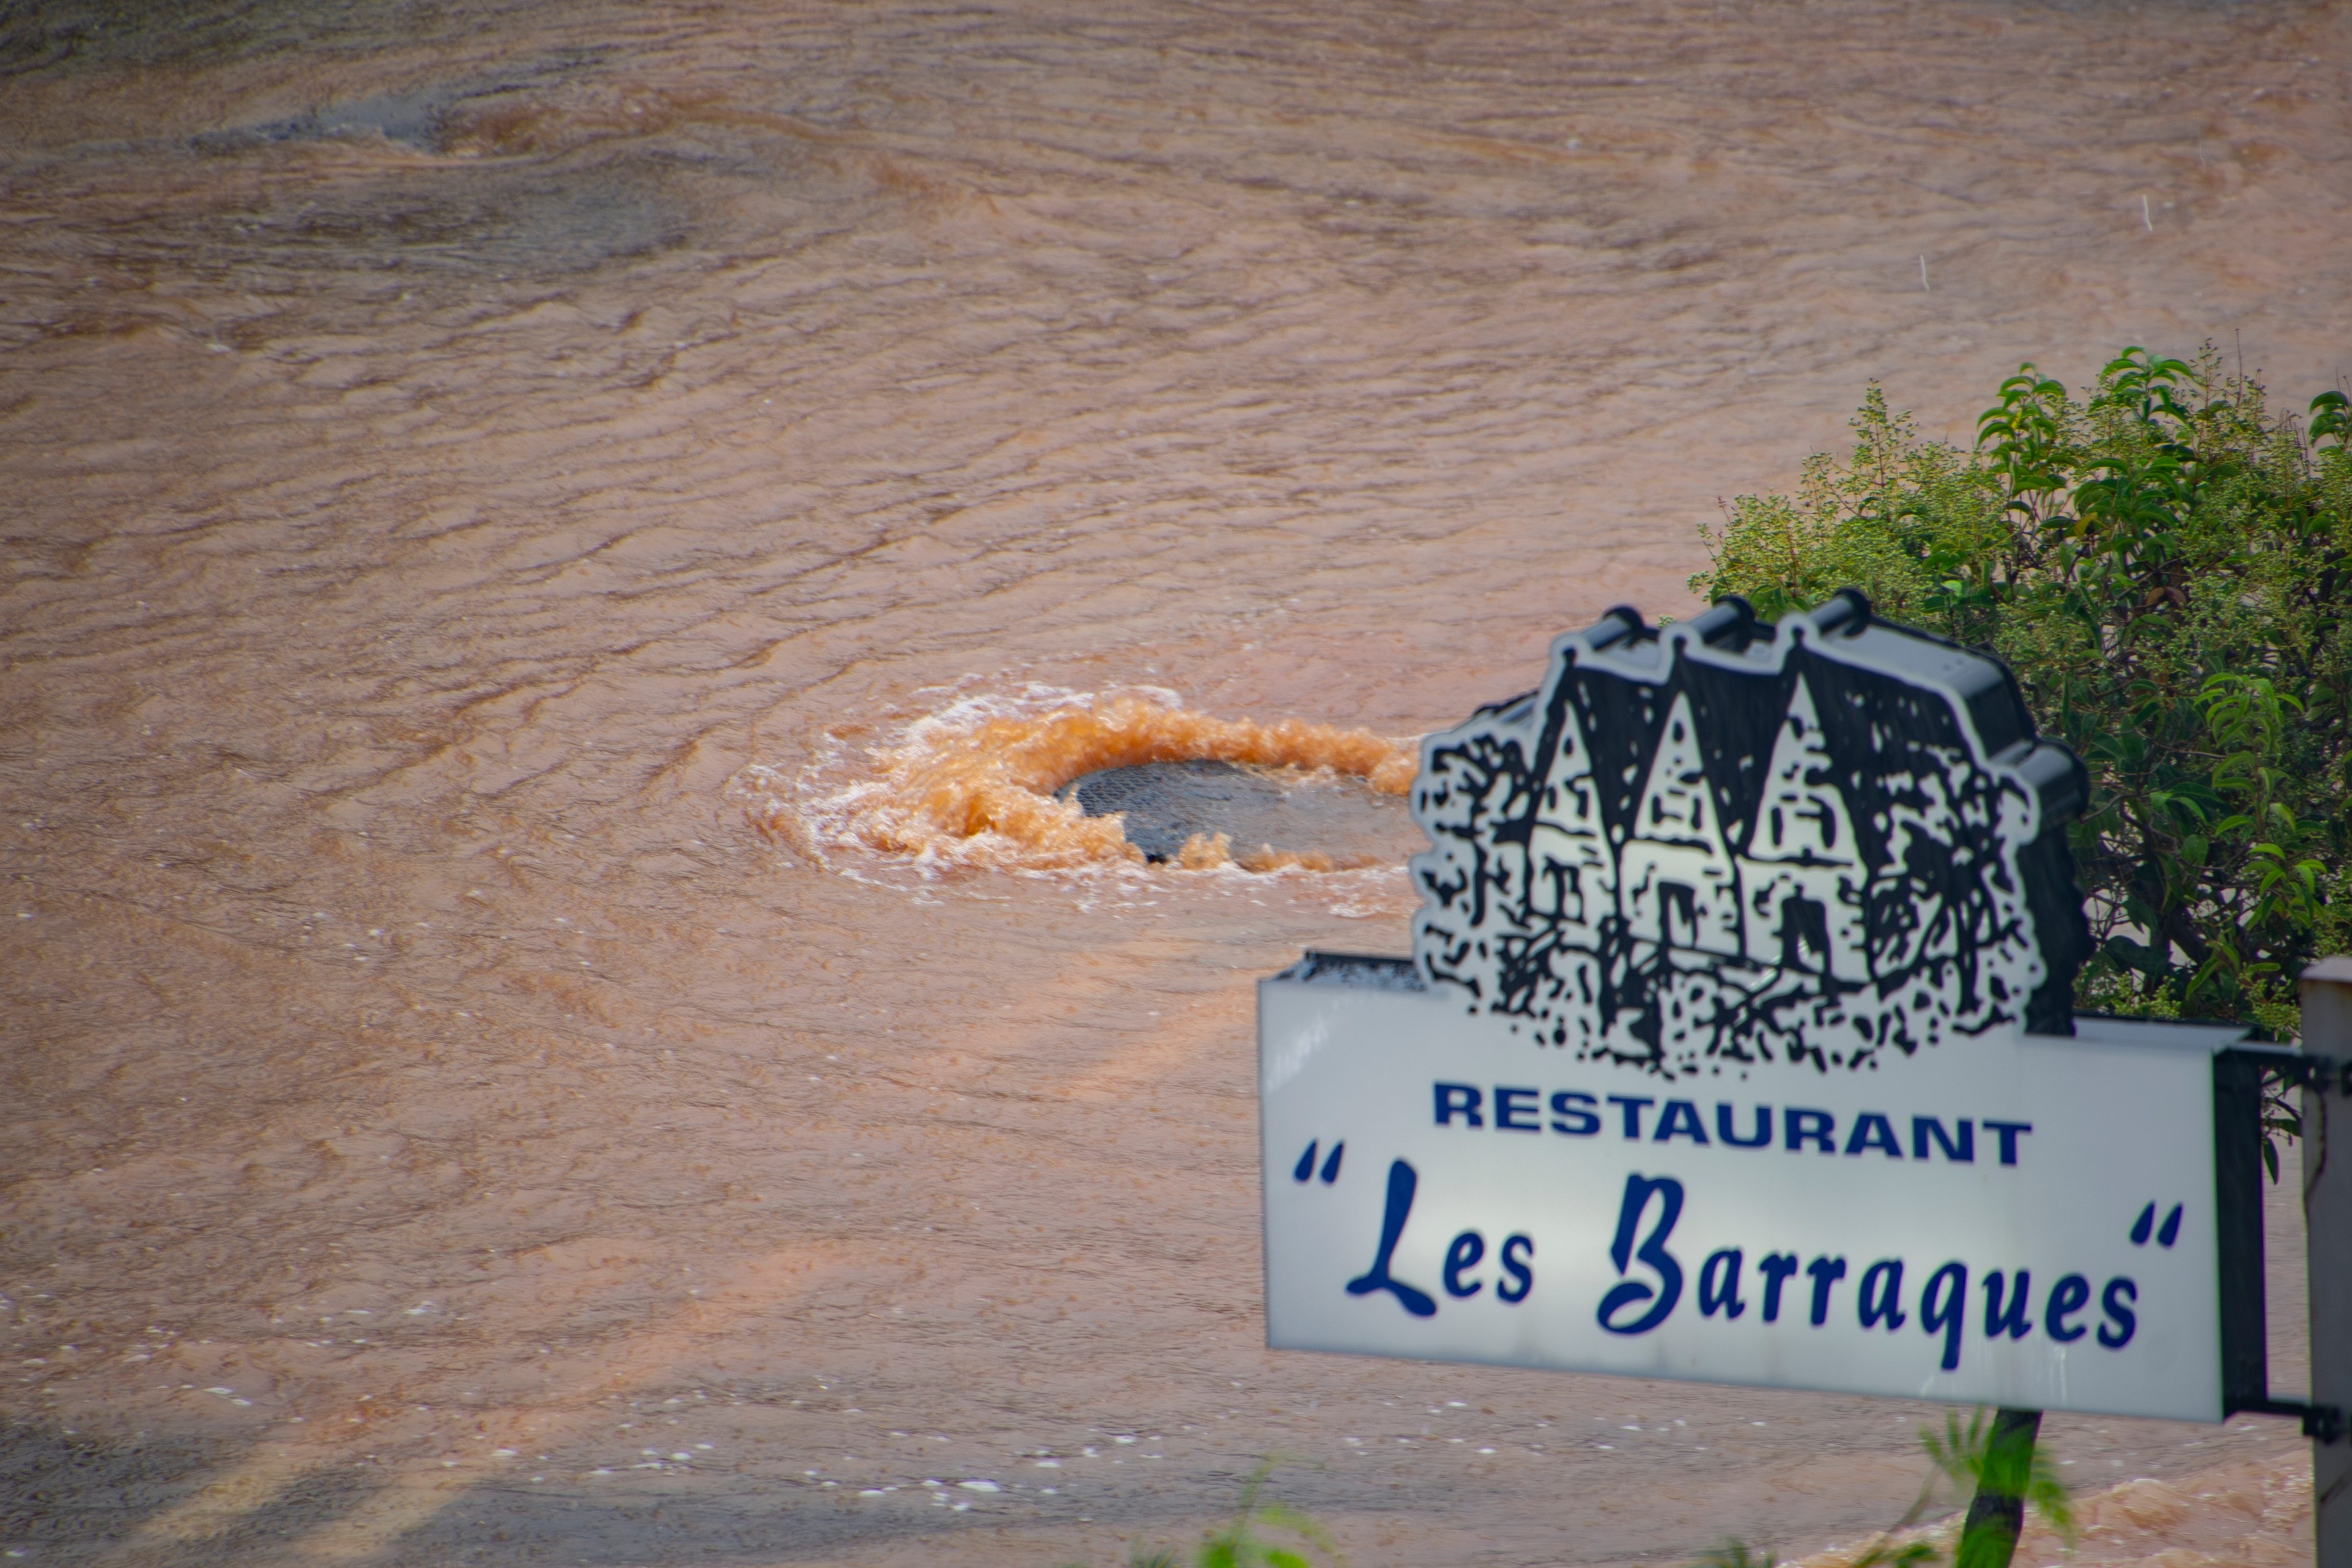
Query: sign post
point(1738, 1046)
point(1996, 1516)
point(2327, 1218)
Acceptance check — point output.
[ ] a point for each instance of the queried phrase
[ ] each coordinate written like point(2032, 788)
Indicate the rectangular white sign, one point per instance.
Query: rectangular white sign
point(2006, 1220)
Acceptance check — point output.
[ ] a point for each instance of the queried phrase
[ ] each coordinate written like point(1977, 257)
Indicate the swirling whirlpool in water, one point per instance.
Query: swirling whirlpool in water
point(988, 783)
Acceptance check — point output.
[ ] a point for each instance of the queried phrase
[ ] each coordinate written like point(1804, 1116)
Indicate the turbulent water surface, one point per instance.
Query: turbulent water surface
point(557, 554)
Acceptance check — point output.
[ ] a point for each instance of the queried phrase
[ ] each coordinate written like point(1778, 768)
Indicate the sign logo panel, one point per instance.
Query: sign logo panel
point(1817, 846)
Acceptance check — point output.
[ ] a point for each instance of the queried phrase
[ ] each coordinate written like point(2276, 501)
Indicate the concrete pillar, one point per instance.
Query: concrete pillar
point(2327, 1218)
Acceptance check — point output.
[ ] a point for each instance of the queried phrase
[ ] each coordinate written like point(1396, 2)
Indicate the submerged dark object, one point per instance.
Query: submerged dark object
point(1167, 805)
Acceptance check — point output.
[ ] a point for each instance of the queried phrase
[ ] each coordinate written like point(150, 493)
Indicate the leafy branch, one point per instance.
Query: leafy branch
point(2167, 567)
point(1965, 1461)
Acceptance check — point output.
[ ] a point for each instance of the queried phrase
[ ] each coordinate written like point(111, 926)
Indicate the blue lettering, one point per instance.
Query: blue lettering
point(1874, 1131)
point(1826, 1272)
point(1718, 1285)
point(2122, 1323)
point(1680, 1121)
point(1461, 1098)
point(1402, 1181)
point(1467, 1249)
point(1881, 1296)
point(1962, 1151)
point(2014, 1321)
point(1633, 1111)
point(1630, 1292)
point(2066, 1299)
point(1944, 1307)
point(2008, 1133)
point(1517, 1249)
point(1508, 1110)
point(1777, 1267)
point(1722, 1127)
point(1810, 1125)
point(1575, 1116)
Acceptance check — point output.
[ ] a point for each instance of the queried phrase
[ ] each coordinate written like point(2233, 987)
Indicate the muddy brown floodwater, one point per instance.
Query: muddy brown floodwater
point(556, 556)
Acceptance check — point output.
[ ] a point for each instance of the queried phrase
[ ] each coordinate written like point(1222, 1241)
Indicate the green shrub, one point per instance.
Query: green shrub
point(2166, 566)
point(1244, 1541)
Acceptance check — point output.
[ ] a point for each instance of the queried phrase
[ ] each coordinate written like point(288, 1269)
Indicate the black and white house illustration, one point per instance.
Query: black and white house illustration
point(1707, 847)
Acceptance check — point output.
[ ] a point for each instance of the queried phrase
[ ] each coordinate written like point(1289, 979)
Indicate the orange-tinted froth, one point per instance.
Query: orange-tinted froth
point(968, 790)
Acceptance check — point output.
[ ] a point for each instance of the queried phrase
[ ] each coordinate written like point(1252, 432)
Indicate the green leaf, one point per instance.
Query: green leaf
point(2331, 415)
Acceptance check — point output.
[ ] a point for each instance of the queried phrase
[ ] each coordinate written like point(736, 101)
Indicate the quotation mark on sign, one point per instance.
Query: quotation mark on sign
point(2164, 1237)
point(1305, 1166)
point(1404, 1180)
